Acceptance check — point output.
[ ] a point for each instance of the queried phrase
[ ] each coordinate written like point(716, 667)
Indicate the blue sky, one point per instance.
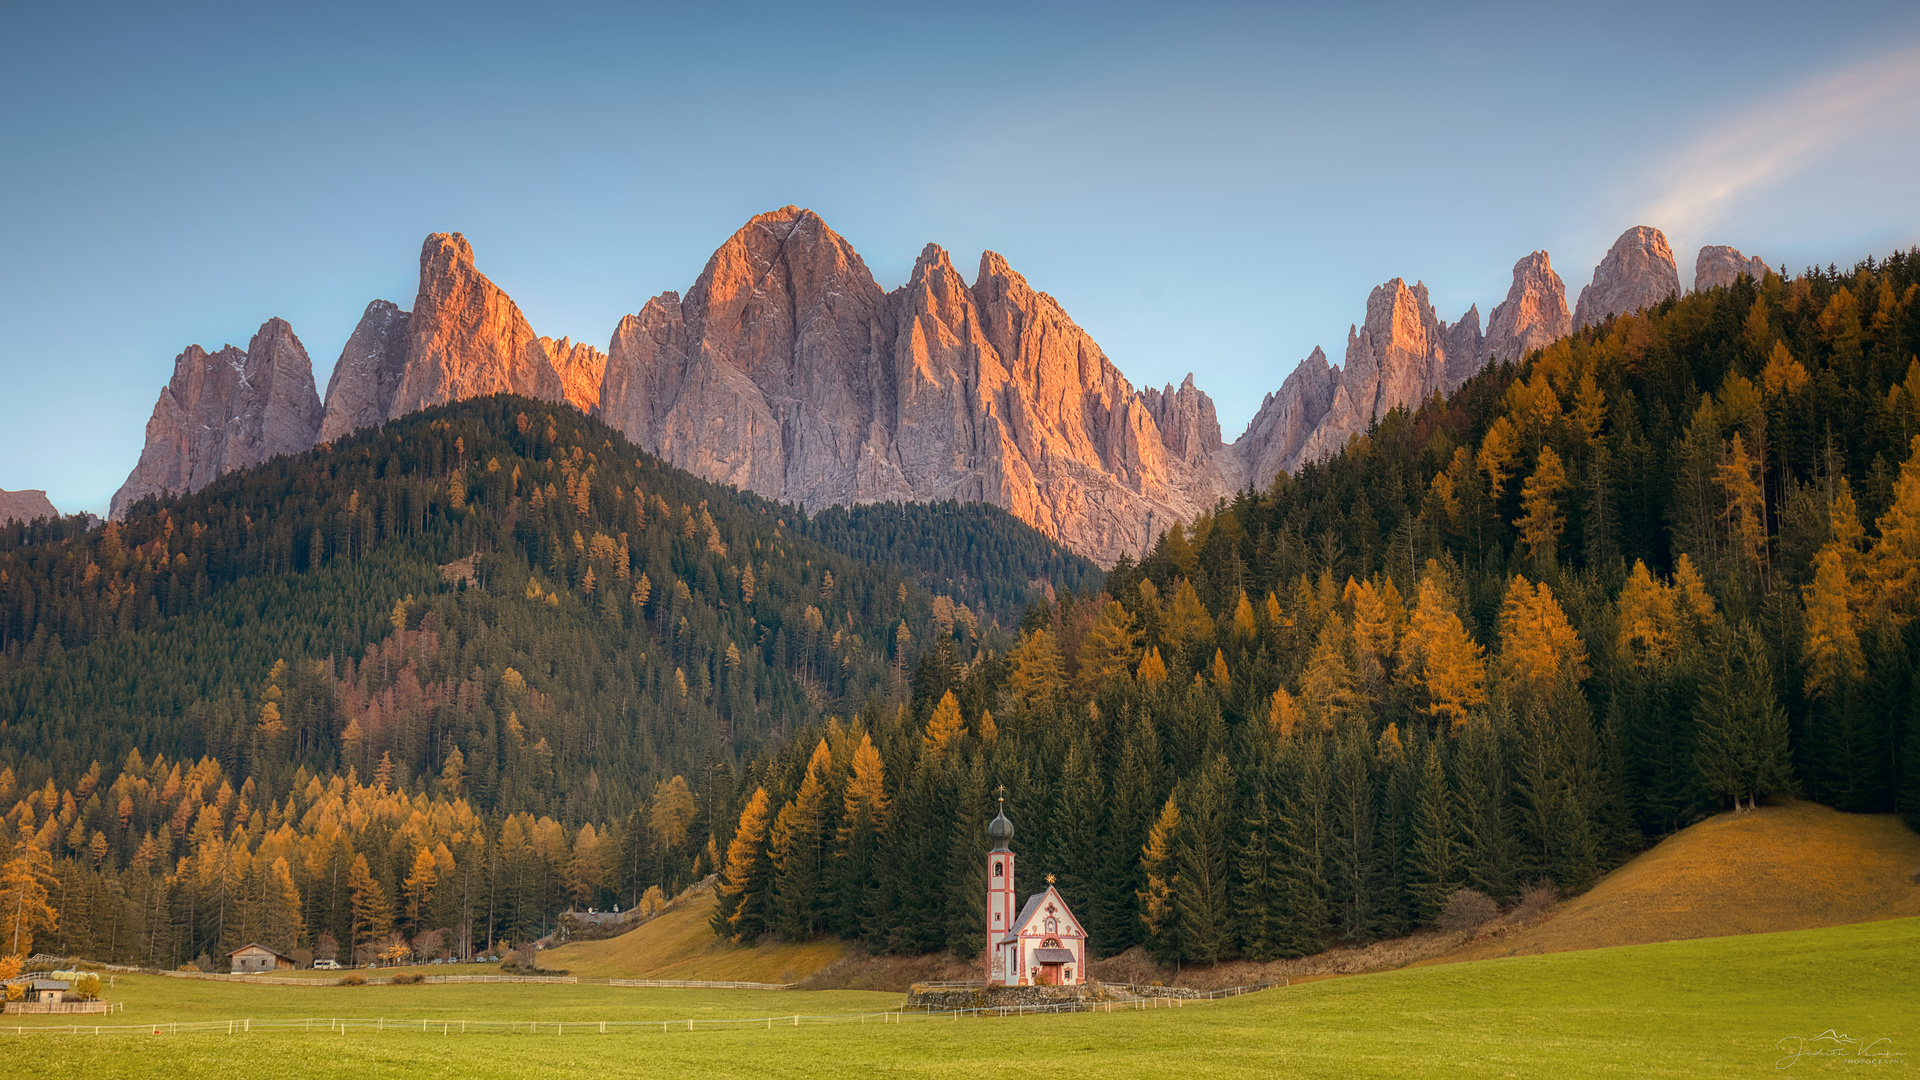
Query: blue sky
point(1204, 187)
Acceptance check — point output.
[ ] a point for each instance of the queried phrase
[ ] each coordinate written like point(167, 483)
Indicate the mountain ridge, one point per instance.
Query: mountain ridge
point(787, 370)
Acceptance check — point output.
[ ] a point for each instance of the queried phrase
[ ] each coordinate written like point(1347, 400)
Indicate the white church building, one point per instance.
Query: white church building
point(1042, 944)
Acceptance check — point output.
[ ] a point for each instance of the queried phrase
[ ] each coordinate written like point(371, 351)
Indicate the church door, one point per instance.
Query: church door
point(1050, 974)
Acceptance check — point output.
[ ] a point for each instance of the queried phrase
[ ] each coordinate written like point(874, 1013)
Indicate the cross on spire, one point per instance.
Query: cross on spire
point(1002, 789)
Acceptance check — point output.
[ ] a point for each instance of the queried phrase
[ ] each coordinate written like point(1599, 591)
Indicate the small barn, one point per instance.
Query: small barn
point(48, 991)
point(257, 957)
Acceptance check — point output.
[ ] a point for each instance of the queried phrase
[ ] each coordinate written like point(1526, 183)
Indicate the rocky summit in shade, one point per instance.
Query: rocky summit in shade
point(368, 371)
point(1718, 266)
point(1637, 273)
point(1534, 314)
point(27, 505)
point(224, 411)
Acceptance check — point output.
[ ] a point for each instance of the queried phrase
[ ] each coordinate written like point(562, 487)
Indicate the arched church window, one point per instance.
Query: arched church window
point(999, 869)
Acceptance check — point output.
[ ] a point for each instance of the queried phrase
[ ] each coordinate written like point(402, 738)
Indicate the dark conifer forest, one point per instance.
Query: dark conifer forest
point(433, 683)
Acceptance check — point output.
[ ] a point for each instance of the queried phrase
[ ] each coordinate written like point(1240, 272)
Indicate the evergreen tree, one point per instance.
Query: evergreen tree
point(1741, 749)
point(1201, 863)
point(1436, 859)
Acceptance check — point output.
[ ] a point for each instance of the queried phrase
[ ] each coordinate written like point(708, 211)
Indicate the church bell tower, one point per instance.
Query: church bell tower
point(1000, 903)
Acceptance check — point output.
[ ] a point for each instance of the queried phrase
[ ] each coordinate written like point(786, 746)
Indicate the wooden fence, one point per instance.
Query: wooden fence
point(42, 1008)
point(448, 1027)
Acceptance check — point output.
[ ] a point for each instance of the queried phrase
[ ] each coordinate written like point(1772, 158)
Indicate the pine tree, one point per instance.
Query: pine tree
point(1159, 906)
point(1351, 857)
point(1116, 923)
point(1260, 864)
point(856, 845)
point(1302, 821)
point(1077, 817)
point(1201, 862)
point(795, 850)
point(1485, 813)
point(1436, 859)
point(1741, 749)
point(966, 859)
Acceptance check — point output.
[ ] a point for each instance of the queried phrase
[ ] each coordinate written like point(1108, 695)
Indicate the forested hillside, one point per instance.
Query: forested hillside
point(1667, 566)
point(487, 626)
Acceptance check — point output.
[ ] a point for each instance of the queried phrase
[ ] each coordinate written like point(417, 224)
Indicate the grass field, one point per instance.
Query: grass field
point(1713, 1007)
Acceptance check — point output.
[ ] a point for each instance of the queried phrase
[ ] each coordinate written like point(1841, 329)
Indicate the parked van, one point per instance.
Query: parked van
point(326, 965)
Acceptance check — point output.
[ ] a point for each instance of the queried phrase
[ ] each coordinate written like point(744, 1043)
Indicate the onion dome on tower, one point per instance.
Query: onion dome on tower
point(1000, 830)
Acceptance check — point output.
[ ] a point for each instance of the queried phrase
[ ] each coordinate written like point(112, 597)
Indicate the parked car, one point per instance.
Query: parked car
point(326, 965)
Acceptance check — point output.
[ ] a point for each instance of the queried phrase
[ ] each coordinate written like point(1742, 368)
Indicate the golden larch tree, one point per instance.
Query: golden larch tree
point(944, 729)
point(1109, 650)
point(1537, 643)
point(1037, 673)
point(1441, 658)
point(1540, 524)
point(24, 906)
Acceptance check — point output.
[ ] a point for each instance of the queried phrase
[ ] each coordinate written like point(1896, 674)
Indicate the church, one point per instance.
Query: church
point(1041, 945)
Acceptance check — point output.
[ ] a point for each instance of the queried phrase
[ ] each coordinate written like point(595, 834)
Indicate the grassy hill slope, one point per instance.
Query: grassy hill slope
point(678, 944)
point(1792, 867)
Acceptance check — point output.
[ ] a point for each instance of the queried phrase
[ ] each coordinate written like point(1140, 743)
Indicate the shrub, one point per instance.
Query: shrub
point(409, 978)
point(10, 965)
point(87, 987)
point(352, 978)
point(1467, 910)
point(1535, 901)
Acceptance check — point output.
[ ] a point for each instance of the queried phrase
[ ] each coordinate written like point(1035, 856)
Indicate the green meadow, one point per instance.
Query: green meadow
point(1713, 1007)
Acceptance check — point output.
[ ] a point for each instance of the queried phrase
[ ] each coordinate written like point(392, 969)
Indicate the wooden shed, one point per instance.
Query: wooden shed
point(257, 957)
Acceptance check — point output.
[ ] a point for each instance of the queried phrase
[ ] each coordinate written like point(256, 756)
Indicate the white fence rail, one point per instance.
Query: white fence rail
point(370, 980)
point(694, 984)
point(448, 1027)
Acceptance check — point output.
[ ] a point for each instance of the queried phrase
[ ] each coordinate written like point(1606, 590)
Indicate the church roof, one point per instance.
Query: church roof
point(1033, 905)
point(1053, 956)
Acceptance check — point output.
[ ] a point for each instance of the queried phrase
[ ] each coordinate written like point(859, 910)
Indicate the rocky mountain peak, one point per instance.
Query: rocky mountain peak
point(1189, 426)
point(1638, 272)
point(25, 506)
point(785, 369)
point(224, 411)
point(371, 366)
point(1533, 315)
point(582, 368)
point(1716, 267)
point(466, 338)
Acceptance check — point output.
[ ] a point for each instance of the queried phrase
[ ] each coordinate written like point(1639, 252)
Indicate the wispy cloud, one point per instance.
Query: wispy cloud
point(1783, 134)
